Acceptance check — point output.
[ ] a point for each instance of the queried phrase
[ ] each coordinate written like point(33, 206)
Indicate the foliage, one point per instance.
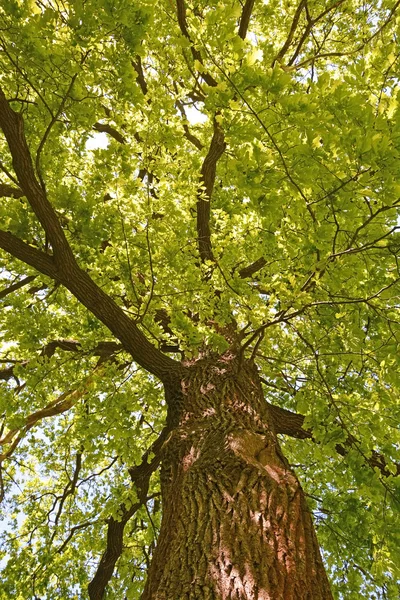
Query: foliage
point(121, 102)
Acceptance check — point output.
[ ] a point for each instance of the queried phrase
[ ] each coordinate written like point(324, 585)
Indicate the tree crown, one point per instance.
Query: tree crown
point(179, 179)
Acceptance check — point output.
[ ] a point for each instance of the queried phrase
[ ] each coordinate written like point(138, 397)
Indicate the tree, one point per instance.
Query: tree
point(200, 286)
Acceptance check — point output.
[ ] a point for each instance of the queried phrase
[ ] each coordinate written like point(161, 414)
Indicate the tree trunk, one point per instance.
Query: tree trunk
point(235, 521)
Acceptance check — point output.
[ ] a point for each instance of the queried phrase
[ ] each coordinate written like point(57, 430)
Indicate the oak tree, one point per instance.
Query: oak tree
point(200, 299)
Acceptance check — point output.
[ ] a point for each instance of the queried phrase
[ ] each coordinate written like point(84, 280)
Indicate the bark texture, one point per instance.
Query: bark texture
point(235, 521)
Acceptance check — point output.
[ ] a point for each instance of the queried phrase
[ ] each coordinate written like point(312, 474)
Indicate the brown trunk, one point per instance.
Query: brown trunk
point(235, 522)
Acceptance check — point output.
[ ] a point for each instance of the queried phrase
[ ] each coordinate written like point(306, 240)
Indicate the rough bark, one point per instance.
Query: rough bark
point(235, 522)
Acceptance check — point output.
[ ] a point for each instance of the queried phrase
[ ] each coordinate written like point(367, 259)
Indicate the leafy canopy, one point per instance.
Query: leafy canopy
point(121, 102)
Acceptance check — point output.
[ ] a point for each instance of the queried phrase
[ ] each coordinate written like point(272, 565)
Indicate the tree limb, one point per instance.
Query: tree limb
point(62, 265)
point(292, 31)
point(16, 286)
point(181, 13)
point(28, 254)
point(207, 180)
point(137, 65)
point(104, 350)
point(245, 18)
point(114, 133)
point(13, 128)
point(8, 191)
point(140, 476)
point(290, 423)
point(257, 265)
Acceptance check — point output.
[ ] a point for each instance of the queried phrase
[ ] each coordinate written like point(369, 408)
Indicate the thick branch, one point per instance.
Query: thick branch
point(208, 171)
point(62, 265)
point(140, 476)
point(98, 302)
point(13, 128)
point(245, 18)
point(114, 133)
point(28, 254)
point(8, 191)
point(257, 265)
point(289, 423)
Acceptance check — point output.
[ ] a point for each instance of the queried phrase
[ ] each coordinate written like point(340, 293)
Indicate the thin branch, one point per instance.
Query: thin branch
point(71, 534)
point(16, 286)
point(270, 136)
point(137, 65)
point(312, 59)
point(309, 26)
point(57, 407)
point(49, 128)
point(104, 350)
point(292, 31)
point(189, 136)
point(181, 13)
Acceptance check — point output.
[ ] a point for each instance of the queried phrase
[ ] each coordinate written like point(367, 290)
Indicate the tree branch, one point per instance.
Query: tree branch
point(257, 265)
point(290, 423)
point(16, 286)
point(207, 180)
point(245, 18)
point(8, 191)
point(140, 476)
point(28, 254)
point(13, 128)
point(104, 350)
point(57, 407)
point(181, 12)
point(114, 133)
point(62, 266)
point(292, 31)
point(137, 65)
